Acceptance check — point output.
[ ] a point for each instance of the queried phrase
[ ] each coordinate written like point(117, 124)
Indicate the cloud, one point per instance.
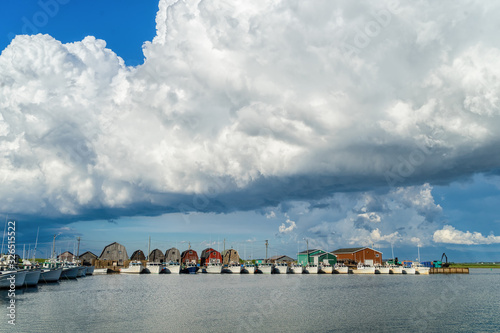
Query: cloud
point(243, 105)
point(451, 235)
point(283, 229)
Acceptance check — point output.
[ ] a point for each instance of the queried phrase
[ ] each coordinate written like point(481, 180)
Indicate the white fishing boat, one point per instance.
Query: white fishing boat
point(32, 277)
point(421, 269)
point(172, 268)
point(248, 268)
point(280, 268)
point(100, 271)
point(379, 269)
point(364, 269)
point(213, 268)
point(232, 268)
point(134, 267)
point(325, 268)
point(296, 269)
point(82, 271)
point(12, 276)
point(50, 274)
point(395, 269)
point(154, 267)
point(69, 272)
point(90, 270)
point(311, 269)
point(408, 270)
point(341, 269)
point(265, 268)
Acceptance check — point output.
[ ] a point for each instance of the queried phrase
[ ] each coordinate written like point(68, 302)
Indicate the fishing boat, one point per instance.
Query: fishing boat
point(363, 269)
point(325, 268)
point(82, 271)
point(311, 269)
point(408, 270)
point(265, 268)
point(395, 269)
point(99, 271)
point(421, 269)
point(248, 268)
point(213, 268)
point(154, 267)
point(172, 268)
point(232, 268)
point(296, 269)
point(190, 268)
point(280, 268)
point(12, 276)
point(341, 269)
point(379, 269)
point(134, 267)
point(50, 274)
point(32, 277)
point(90, 270)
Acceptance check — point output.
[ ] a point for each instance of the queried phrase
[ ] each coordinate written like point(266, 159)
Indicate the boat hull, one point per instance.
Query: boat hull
point(99, 271)
point(296, 270)
point(82, 271)
point(410, 271)
point(311, 270)
point(190, 270)
point(135, 269)
point(341, 270)
point(382, 270)
point(17, 277)
point(90, 270)
point(422, 270)
point(32, 278)
point(50, 275)
point(396, 270)
point(213, 269)
point(69, 273)
point(280, 269)
point(248, 270)
point(326, 270)
point(172, 269)
point(154, 269)
point(365, 270)
point(265, 269)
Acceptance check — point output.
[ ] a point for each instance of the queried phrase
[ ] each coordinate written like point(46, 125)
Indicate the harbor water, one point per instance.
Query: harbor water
point(261, 303)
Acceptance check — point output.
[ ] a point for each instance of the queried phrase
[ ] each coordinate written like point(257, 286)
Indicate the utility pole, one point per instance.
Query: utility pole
point(267, 244)
point(149, 247)
point(307, 248)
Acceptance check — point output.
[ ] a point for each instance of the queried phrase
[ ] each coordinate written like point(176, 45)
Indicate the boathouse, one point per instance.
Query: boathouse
point(364, 255)
point(305, 257)
point(87, 258)
point(173, 255)
point(282, 258)
point(210, 255)
point(114, 252)
point(66, 256)
point(156, 256)
point(328, 258)
point(189, 256)
point(230, 255)
point(138, 255)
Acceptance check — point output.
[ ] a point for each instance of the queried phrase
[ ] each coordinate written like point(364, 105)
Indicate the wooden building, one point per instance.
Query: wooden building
point(87, 258)
point(210, 255)
point(364, 255)
point(189, 256)
point(282, 258)
point(173, 255)
point(229, 256)
point(66, 256)
point(114, 252)
point(325, 258)
point(156, 256)
point(138, 255)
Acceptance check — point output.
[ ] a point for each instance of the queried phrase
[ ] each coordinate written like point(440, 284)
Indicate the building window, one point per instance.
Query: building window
point(376, 255)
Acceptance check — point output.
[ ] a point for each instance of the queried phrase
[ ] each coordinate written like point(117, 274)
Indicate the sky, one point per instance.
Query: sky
point(192, 122)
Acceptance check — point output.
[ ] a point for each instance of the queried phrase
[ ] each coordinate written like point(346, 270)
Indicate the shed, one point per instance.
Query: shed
point(364, 255)
point(66, 256)
point(173, 255)
point(115, 252)
point(189, 256)
point(302, 257)
point(328, 258)
point(282, 258)
point(210, 255)
point(87, 258)
point(156, 256)
point(138, 255)
point(230, 255)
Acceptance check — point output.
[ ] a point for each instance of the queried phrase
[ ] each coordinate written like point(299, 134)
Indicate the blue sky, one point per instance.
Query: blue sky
point(345, 124)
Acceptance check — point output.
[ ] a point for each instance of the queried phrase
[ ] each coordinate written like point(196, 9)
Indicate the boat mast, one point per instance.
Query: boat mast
point(54, 247)
point(267, 243)
point(307, 250)
point(4, 230)
point(36, 243)
point(149, 247)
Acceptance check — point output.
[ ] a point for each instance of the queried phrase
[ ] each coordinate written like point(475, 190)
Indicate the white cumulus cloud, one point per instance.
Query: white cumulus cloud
point(451, 235)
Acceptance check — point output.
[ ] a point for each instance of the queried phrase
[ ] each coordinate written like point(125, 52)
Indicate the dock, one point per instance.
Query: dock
point(449, 270)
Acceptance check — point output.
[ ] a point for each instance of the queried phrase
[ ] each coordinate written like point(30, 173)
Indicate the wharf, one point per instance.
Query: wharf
point(449, 270)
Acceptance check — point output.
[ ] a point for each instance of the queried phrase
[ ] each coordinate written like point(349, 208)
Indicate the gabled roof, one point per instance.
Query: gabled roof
point(311, 251)
point(323, 254)
point(66, 253)
point(280, 257)
point(352, 250)
point(81, 255)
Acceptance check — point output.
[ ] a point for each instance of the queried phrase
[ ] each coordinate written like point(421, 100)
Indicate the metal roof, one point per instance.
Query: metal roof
point(352, 250)
point(313, 250)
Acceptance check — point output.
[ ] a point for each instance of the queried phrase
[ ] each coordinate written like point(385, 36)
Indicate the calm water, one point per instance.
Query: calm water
point(278, 303)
